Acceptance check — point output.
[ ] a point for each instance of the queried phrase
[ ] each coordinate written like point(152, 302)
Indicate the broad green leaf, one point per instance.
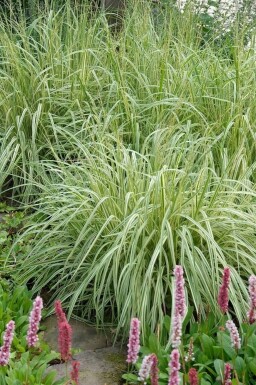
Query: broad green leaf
point(225, 343)
point(207, 345)
point(130, 377)
point(219, 367)
point(252, 366)
point(239, 365)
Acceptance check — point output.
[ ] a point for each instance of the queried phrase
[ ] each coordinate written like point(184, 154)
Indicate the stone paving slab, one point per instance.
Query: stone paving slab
point(99, 367)
point(99, 364)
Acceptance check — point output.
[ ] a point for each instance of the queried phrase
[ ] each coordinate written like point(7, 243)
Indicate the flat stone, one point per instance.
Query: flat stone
point(100, 364)
point(84, 337)
point(97, 367)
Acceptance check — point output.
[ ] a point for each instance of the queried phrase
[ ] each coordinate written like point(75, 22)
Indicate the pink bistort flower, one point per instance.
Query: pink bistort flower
point(176, 330)
point(252, 291)
point(134, 341)
point(234, 335)
point(65, 336)
point(179, 294)
point(179, 307)
point(145, 369)
point(6, 348)
point(154, 370)
point(251, 315)
point(193, 377)
point(74, 375)
point(174, 365)
point(227, 374)
point(223, 292)
point(61, 316)
point(34, 319)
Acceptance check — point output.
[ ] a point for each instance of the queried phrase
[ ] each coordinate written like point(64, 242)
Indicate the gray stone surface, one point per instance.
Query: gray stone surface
point(100, 363)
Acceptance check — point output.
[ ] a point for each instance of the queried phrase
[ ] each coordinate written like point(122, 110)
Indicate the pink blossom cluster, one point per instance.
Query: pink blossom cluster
point(74, 375)
point(154, 370)
point(65, 332)
point(61, 316)
point(252, 292)
point(145, 369)
point(234, 335)
point(34, 320)
point(174, 365)
point(190, 355)
point(193, 377)
point(176, 330)
point(179, 306)
point(223, 292)
point(148, 369)
point(134, 341)
point(227, 374)
point(5, 350)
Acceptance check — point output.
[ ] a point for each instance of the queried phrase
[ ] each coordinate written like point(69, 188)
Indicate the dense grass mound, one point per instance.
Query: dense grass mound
point(139, 147)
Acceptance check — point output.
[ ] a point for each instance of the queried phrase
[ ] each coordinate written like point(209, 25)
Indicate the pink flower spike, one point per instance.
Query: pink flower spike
point(193, 377)
point(34, 320)
point(227, 374)
point(223, 292)
point(145, 369)
point(234, 335)
point(154, 370)
point(251, 315)
point(174, 365)
point(190, 356)
point(5, 350)
point(176, 331)
point(74, 374)
point(252, 290)
point(61, 316)
point(65, 336)
point(134, 341)
point(179, 298)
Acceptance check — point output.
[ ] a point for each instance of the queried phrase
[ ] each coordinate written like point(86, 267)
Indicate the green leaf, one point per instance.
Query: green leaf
point(153, 344)
point(207, 345)
point(130, 377)
point(163, 376)
point(219, 367)
point(252, 367)
point(187, 319)
point(48, 380)
point(167, 323)
point(217, 351)
point(21, 320)
point(225, 342)
point(204, 382)
point(239, 365)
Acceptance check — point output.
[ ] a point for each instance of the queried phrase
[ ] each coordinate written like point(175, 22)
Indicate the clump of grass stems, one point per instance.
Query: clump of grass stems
point(67, 73)
point(114, 224)
point(137, 149)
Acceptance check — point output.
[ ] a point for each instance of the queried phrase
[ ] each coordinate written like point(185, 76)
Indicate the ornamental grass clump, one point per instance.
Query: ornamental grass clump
point(212, 351)
point(141, 151)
